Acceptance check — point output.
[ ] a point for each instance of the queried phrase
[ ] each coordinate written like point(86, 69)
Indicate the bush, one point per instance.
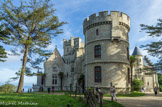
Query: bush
point(160, 81)
point(136, 84)
point(7, 88)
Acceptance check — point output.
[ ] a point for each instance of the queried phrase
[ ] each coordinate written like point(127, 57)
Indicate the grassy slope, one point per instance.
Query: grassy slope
point(133, 94)
point(48, 100)
point(43, 100)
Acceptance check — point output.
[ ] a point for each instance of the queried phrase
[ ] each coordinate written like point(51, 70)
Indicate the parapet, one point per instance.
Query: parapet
point(105, 17)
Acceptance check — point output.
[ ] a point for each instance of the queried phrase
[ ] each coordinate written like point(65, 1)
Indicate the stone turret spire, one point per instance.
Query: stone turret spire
point(137, 51)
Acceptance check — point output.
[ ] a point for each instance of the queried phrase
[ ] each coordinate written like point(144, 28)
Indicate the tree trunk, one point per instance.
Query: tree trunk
point(21, 80)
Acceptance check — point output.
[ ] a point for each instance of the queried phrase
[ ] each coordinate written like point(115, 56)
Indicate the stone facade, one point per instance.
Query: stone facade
point(143, 70)
point(108, 32)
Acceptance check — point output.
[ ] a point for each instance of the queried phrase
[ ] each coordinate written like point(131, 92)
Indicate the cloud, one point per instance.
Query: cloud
point(13, 58)
point(148, 38)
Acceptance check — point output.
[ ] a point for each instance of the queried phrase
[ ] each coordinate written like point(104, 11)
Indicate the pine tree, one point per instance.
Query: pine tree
point(154, 48)
point(3, 39)
point(31, 25)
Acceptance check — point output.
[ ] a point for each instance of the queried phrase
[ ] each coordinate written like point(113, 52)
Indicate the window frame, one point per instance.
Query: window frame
point(97, 74)
point(97, 51)
point(97, 32)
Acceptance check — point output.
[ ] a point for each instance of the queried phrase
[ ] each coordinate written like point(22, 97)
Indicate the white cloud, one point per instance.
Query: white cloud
point(145, 38)
point(13, 58)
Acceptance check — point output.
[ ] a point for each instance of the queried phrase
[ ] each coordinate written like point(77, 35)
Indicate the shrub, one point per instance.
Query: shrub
point(160, 81)
point(136, 84)
point(7, 88)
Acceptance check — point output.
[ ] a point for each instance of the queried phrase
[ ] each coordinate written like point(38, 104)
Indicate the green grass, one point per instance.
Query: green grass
point(133, 94)
point(39, 100)
point(107, 103)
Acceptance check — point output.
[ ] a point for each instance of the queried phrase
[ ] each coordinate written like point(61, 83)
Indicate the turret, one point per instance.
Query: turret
point(107, 50)
point(139, 57)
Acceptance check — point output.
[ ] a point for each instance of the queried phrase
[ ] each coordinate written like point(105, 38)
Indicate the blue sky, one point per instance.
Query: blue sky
point(75, 11)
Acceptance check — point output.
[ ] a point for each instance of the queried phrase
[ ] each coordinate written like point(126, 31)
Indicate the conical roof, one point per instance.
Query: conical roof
point(136, 51)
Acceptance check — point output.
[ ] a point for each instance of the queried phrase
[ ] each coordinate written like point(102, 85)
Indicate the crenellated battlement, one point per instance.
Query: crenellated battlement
point(104, 17)
point(104, 14)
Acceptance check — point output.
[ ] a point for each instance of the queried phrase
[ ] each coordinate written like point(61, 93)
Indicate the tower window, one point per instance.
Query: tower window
point(97, 74)
point(72, 69)
point(127, 53)
point(97, 51)
point(96, 31)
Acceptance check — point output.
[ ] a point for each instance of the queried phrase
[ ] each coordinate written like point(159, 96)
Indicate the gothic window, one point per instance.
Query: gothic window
point(147, 83)
point(54, 79)
point(97, 72)
point(127, 53)
point(96, 31)
point(97, 51)
point(54, 69)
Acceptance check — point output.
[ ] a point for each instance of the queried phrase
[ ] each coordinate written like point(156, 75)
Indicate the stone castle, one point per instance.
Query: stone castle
point(101, 62)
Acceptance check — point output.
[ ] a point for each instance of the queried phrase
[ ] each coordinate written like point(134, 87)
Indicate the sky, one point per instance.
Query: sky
point(75, 11)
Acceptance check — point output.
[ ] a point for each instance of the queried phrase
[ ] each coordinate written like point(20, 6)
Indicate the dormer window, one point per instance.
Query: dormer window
point(96, 31)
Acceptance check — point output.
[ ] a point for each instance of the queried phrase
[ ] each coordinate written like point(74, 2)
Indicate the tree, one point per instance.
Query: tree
point(3, 38)
point(160, 81)
point(136, 84)
point(154, 48)
point(132, 60)
point(31, 25)
point(81, 81)
point(7, 88)
point(61, 75)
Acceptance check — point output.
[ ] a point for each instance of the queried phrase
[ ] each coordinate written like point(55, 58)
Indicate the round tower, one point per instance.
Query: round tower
point(107, 50)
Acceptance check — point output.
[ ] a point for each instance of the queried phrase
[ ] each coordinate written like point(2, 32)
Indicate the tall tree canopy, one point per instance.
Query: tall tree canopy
point(31, 25)
point(3, 39)
point(154, 48)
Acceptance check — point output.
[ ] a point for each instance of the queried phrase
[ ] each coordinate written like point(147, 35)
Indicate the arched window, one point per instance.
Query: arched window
point(97, 72)
point(96, 31)
point(97, 51)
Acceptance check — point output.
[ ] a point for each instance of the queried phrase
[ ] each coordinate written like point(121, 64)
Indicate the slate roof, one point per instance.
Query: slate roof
point(136, 51)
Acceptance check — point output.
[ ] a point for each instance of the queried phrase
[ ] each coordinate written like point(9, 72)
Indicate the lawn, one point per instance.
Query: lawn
point(108, 103)
point(41, 100)
point(46, 100)
point(133, 94)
